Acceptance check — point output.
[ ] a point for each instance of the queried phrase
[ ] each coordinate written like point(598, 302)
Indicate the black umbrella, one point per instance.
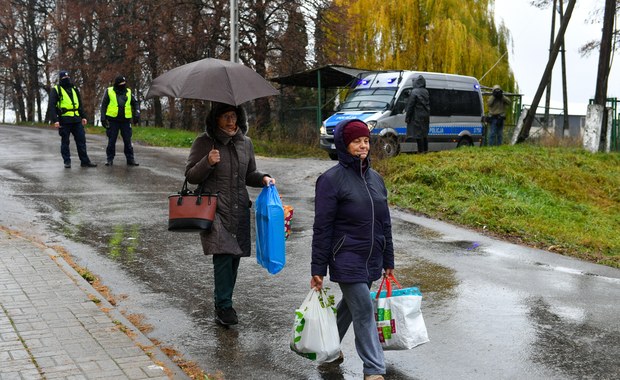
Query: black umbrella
point(212, 79)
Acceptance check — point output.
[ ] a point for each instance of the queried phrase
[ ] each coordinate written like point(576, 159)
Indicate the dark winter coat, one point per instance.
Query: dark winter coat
point(230, 232)
point(352, 225)
point(418, 109)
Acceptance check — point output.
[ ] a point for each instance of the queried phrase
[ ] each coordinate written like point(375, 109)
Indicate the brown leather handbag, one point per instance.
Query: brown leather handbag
point(191, 211)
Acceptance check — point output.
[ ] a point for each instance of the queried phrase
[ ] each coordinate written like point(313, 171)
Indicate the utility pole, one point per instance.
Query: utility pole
point(602, 78)
point(529, 117)
point(234, 31)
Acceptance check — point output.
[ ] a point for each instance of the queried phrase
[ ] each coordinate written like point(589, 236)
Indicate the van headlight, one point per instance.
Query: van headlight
point(323, 130)
point(371, 124)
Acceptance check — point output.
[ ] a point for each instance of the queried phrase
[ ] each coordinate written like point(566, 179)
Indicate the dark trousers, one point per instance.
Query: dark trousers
point(422, 144)
point(497, 130)
point(77, 130)
point(125, 128)
point(225, 269)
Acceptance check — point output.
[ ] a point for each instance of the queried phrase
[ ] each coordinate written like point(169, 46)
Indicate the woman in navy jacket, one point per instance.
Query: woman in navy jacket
point(353, 238)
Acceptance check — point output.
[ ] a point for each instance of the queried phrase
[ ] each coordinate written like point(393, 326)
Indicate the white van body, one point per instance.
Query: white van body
point(380, 98)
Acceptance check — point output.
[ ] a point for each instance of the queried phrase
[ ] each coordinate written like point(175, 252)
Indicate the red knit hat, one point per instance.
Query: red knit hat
point(353, 130)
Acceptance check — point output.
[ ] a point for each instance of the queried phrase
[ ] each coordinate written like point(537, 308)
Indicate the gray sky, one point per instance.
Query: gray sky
point(531, 31)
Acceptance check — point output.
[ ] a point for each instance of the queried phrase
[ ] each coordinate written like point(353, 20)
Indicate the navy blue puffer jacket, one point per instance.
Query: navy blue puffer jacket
point(352, 226)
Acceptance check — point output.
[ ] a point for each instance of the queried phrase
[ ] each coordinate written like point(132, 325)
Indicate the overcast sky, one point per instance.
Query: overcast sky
point(531, 31)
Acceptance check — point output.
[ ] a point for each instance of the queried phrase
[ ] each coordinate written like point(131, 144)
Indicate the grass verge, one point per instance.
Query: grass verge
point(564, 200)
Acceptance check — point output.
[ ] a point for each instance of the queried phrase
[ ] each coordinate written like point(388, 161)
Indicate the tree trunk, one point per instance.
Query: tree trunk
point(564, 81)
point(551, 40)
point(529, 118)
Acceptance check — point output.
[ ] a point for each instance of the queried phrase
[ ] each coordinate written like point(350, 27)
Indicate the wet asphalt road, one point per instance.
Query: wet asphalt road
point(493, 310)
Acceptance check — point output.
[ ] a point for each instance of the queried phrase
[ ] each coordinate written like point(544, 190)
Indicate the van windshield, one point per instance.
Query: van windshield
point(373, 99)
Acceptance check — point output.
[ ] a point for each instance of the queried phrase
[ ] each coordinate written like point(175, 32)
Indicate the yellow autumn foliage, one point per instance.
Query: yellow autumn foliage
point(451, 36)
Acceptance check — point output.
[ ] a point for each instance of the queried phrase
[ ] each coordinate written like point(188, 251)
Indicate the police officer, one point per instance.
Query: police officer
point(119, 108)
point(67, 114)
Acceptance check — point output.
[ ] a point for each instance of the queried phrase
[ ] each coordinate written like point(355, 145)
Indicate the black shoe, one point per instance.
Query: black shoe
point(226, 317)
point(67, 165)
point(108, 163)
point(132, 163)
point(88, 165)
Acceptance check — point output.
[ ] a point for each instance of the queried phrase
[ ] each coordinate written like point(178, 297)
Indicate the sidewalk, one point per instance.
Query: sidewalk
point(51, 329)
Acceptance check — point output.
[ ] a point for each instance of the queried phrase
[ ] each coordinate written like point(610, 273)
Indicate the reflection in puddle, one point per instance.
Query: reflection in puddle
point(566, 342)
point(436, 282)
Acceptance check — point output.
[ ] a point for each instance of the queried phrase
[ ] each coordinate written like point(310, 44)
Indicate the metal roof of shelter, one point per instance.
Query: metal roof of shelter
point(324, 77)
point(328, 76)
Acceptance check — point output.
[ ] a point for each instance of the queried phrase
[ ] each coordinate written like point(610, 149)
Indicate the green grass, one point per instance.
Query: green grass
point(560, 199)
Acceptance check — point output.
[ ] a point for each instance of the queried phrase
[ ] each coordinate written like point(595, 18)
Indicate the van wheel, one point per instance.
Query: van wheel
point(465, 141)
point(333, 156)
point(385, 146)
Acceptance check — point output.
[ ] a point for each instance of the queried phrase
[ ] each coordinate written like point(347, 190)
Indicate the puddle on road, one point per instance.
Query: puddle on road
point(436, 282)
point(412, 229)
point(567, 342)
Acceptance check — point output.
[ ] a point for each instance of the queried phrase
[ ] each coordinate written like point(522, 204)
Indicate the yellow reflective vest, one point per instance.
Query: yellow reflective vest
point(68, 105)
point(113, 106)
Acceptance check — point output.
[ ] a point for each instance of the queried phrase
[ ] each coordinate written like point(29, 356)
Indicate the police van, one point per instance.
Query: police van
point(380, 99)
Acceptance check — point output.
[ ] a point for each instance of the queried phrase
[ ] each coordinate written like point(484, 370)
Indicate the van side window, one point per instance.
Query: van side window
point(454, 102)
point(401, 103)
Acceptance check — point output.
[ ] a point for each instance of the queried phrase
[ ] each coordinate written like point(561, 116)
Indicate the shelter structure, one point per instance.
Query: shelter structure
point(322, 78)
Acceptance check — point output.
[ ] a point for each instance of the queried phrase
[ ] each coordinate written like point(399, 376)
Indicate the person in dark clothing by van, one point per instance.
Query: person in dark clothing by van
point(353, 238)
point(418, 114)
point(497, 104)
point(119, 108)
point(66, 112)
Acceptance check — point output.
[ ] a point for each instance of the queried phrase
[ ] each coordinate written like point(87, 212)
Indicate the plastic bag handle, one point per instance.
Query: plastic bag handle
point(388, 285)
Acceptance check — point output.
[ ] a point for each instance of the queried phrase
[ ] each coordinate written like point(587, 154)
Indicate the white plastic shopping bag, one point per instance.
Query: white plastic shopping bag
point(399, 316)
point(315, 333)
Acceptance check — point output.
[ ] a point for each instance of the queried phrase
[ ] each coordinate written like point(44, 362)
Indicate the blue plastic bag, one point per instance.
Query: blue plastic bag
point(270, 250)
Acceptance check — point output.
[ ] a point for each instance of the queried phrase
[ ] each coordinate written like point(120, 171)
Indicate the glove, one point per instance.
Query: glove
point(104, 123)
point(136, 120)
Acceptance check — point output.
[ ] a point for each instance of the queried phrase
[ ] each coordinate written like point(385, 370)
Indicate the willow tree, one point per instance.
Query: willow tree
point(451, 36)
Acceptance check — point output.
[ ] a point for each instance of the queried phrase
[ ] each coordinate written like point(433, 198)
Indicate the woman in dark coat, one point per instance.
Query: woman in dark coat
point(223, 160)
point(353, 238)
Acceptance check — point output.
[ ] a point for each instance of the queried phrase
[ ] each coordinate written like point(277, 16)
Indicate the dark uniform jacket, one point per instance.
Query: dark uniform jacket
point(55, 113)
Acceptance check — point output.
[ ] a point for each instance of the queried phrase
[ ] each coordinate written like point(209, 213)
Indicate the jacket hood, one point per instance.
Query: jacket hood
point(219, 108)
point(341, 149)
point(418, 81)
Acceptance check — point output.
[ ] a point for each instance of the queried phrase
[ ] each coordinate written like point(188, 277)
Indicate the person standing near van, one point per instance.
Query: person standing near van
point(497, 110)
point(352, 236)
point(66, 112)
point(118, 109)
point(418, 114)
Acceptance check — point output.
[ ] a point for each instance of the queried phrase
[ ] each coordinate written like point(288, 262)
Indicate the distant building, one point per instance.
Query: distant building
point(576, 125)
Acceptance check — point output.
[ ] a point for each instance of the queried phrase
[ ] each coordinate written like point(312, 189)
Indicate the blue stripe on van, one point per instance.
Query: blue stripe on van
point(441, 130)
